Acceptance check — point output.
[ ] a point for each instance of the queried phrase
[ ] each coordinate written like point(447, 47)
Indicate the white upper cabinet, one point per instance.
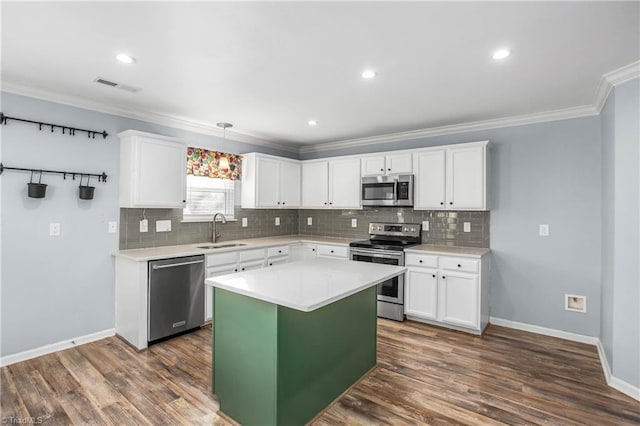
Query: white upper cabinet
point(452, 178)
point(270, 182)
point(331, 184)
point(344, 183)
point(153, 170)
point(315, 184)
point(393, 164)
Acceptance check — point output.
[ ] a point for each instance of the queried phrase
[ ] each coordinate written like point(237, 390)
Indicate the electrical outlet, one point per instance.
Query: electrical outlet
point(425, 225)
point(144, 225)
point(113, 227)
point(575, 303)
point(544, 230)
point(244, 222)
point(54, 229)
point(277, 221)
point(354, 223)
point(466, 226)
point(163, 225)
point(309, 221)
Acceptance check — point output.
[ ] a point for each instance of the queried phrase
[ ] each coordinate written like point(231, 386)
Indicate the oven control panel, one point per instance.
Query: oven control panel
point(395, 229)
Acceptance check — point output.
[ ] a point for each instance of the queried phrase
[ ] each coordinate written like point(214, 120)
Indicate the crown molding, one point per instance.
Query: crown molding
point(540, 117)
point(148, 116)
point(613, 78)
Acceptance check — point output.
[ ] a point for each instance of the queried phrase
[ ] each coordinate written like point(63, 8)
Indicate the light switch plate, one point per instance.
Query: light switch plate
point(244, 222)
point(544, 230)
point(277, 221)
point(113, 227)
point(144, 225)
point(425, 225)
point(309, 221)
point(54, 229)
point(163, 225)
point(354, 223)
point(466, 226)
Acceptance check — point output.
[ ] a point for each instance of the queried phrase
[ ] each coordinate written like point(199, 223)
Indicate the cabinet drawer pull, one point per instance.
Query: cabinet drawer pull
point(325, 203)
point(442, 203)
point(283, 203)
point(313, 249)
point(235, 270)
point(420, 260)
point(450, 203)
point(270, 264)
point(280, 251)
point(459, 266)
point(278, 202)
point(382, 170)
point(444, 278)
point(389, 169)
point(331, 251)
point(243, 269)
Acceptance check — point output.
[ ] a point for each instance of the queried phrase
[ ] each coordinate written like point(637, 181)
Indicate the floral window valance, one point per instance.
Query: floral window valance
point(214, 164)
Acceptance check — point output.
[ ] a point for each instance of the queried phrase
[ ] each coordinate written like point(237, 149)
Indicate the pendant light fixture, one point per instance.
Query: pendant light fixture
point(224, 161)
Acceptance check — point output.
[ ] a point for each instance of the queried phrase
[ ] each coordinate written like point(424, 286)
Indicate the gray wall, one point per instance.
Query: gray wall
point(540, 173)
point(621, 232)
point(608, 211)
point(58, 288)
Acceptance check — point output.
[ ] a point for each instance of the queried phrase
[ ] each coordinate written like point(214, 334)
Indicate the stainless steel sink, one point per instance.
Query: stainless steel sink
point(217, 246)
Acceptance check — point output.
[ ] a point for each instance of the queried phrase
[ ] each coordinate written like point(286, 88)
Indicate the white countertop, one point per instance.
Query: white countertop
point(448, 250)
point(154, 253)
point(306, 285)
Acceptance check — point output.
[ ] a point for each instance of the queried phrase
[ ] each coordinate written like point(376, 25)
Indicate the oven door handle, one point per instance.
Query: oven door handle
point(378, 253)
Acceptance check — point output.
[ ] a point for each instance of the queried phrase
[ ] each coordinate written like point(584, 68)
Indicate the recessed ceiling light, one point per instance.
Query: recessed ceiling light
point(501, 54)
point(125, 59)
point(368, 74)
point(312, 123)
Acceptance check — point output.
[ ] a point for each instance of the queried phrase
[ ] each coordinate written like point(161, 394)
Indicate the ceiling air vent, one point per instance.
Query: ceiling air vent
point(110, 83)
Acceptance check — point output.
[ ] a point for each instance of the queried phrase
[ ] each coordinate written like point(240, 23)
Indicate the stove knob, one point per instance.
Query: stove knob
point(413, 229)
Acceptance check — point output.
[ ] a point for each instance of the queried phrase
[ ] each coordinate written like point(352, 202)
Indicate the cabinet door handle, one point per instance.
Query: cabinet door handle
point(278, 202)
point(325, 203)
point(331, 203)
point(389, 169)
point(280, 251)
point(382, 170)
point(243, 269)
point(442, 203)
point(313, 249)
point(420, 260)
point(235, 270)
point(283, 203)
point(270, 264)
point(459, 266)
point(450, 203)
point(434, 275)
point(331, 251)
point(444, 278)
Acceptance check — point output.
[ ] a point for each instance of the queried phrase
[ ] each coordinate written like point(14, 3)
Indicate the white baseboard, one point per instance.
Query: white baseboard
point(614, 382)
point(54, 347)
point(545, 331)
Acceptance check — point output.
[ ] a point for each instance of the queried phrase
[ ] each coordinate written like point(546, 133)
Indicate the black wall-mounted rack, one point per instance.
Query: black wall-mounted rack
point(102, 177)
point(71, 130)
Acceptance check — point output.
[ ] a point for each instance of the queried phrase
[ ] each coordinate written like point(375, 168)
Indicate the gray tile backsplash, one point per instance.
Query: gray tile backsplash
point(445, 228)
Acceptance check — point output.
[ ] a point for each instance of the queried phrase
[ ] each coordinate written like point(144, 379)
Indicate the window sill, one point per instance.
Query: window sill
point(196, 219)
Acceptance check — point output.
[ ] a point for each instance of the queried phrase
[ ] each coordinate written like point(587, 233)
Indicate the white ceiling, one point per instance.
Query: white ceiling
point(269, 67)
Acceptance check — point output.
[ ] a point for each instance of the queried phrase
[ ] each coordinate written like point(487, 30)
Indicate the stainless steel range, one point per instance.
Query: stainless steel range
point(386, 244)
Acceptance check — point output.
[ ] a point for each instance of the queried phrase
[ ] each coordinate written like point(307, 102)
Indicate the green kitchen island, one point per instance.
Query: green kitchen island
point(290, 339)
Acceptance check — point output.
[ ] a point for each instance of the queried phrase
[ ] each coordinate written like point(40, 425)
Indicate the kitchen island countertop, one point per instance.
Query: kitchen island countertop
point(306, 285)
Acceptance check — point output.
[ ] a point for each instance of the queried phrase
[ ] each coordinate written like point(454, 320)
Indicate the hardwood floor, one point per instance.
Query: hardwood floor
point(425, 375)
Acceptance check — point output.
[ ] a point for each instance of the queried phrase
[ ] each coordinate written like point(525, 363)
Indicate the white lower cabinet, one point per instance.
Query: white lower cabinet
point(303, 251)
point(447, 290)
point(333, 252)
point(277, 255)
point(227, 263)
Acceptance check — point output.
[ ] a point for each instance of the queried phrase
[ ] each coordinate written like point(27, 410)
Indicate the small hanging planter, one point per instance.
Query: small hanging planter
point(85, 192)
point(36, 190)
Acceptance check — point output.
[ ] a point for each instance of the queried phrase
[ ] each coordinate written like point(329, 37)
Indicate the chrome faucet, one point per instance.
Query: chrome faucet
point(215, 235)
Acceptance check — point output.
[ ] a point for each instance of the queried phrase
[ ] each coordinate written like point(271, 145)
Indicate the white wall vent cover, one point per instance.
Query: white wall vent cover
point(110, 83)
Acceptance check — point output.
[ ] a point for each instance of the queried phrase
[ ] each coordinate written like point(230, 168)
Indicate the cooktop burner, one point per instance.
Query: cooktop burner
point(391, 236)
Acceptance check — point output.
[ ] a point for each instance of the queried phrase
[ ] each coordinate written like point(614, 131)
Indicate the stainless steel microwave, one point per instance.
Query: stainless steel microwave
point(390, 190)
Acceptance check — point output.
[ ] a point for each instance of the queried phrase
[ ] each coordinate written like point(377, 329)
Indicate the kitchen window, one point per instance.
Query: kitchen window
point(207, 196)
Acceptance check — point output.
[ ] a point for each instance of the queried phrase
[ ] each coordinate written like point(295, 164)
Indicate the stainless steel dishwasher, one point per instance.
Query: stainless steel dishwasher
point(176, 296)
